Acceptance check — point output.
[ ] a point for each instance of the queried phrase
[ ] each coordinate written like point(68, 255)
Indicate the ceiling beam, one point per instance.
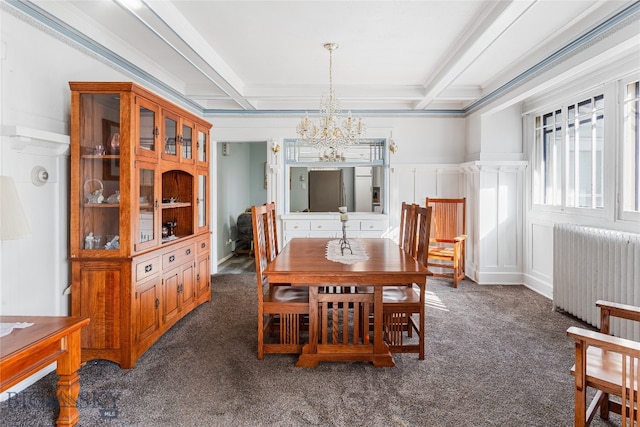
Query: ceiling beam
point(496, 20)
point(193, 48)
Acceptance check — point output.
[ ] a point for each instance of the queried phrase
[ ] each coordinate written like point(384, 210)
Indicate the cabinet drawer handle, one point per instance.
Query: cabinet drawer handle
point(157, 303)
point(148, 268)
point(203, 245)
point(172, 258)
point(188, 251)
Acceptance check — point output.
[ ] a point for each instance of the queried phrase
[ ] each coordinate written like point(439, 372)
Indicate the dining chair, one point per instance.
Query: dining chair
point(281, 308)
point(401, 303)
point(608, 364)
point(407, 236)
point(448, 237)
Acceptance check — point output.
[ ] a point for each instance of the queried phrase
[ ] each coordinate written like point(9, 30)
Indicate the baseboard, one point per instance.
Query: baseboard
point(496, 278)
point(543, 288)
point(231, 255)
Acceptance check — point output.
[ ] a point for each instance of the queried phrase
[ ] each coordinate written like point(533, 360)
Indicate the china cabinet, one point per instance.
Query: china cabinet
point(140, 233)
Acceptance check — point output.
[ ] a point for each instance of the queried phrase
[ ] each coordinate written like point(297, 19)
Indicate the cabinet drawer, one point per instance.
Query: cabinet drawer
point(178, 256)
point(326, 225)
point(371, 225)
point(147, 268)
point(296, 225)
point(202, 245)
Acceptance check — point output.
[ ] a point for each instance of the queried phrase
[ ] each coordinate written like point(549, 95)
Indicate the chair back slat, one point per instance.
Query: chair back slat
point(271, 231)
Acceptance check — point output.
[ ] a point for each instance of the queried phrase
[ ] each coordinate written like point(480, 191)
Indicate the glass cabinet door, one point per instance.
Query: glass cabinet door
point(202, 148)
point(203, 188)
point(186, 141)
point(99, 210)
point(170, 150)
point(178, 138)
point(146, 232)
point(147, 132)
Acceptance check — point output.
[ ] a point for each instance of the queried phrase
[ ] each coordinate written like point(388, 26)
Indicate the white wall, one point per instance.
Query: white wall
point(36, 106)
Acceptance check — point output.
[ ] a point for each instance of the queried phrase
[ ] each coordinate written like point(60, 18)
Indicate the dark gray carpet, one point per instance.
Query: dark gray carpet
point(495, 356)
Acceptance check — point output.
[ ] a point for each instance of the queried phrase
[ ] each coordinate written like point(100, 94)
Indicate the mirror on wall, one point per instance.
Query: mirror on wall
point(319, 181)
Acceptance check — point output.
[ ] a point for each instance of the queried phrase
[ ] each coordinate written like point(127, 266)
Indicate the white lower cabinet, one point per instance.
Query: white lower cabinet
point(329, 225)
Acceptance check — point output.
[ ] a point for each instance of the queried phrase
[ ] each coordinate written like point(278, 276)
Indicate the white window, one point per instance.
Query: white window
point(585, 149)
point(631, 148)
point(568, 157)
point(547, 159)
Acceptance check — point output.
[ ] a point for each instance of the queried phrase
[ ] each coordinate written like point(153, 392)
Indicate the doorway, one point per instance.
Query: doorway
point(240, 169)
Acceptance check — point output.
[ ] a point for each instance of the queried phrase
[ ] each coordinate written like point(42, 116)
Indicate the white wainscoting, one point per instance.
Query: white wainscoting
point(495, 217)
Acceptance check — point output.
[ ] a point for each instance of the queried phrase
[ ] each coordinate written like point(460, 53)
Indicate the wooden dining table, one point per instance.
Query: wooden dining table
point(303, 262)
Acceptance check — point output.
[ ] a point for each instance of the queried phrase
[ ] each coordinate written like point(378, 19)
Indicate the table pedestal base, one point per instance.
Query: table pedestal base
point(341, 353)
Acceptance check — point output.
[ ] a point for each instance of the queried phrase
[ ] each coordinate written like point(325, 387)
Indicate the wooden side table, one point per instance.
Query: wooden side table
point(50, 339)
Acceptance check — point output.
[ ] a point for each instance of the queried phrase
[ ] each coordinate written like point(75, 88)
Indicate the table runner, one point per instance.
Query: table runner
point(6, 328)
point(333, 252)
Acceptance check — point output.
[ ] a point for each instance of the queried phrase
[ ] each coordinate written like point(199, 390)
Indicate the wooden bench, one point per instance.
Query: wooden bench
point(608, 364)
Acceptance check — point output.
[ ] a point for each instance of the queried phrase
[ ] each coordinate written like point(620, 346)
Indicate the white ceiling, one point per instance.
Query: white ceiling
point(269, 55)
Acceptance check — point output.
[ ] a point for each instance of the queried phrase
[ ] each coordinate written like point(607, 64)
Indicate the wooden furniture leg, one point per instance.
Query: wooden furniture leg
point(382, 356)
point(309, 350)
point(69, 380)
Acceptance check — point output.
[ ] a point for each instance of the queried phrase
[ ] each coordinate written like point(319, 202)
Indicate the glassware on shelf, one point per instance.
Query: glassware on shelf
point(114, 198)
point(113, 242)
point(114, 144)
point(92, 242)
point(93, 189)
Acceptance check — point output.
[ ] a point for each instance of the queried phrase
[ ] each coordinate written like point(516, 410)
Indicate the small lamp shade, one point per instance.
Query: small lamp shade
point(13, 222)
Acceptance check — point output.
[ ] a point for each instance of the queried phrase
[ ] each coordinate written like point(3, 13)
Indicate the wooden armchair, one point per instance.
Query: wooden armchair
point(448, 236)
point(281, 308)
point(608, 364)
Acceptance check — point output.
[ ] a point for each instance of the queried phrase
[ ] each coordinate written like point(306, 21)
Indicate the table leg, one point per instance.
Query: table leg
point(381, 354)
point(423, 290)
point(69, 380)
point(308, 357)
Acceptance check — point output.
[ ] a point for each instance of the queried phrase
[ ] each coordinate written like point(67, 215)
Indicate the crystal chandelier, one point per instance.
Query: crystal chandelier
point(330, 134)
